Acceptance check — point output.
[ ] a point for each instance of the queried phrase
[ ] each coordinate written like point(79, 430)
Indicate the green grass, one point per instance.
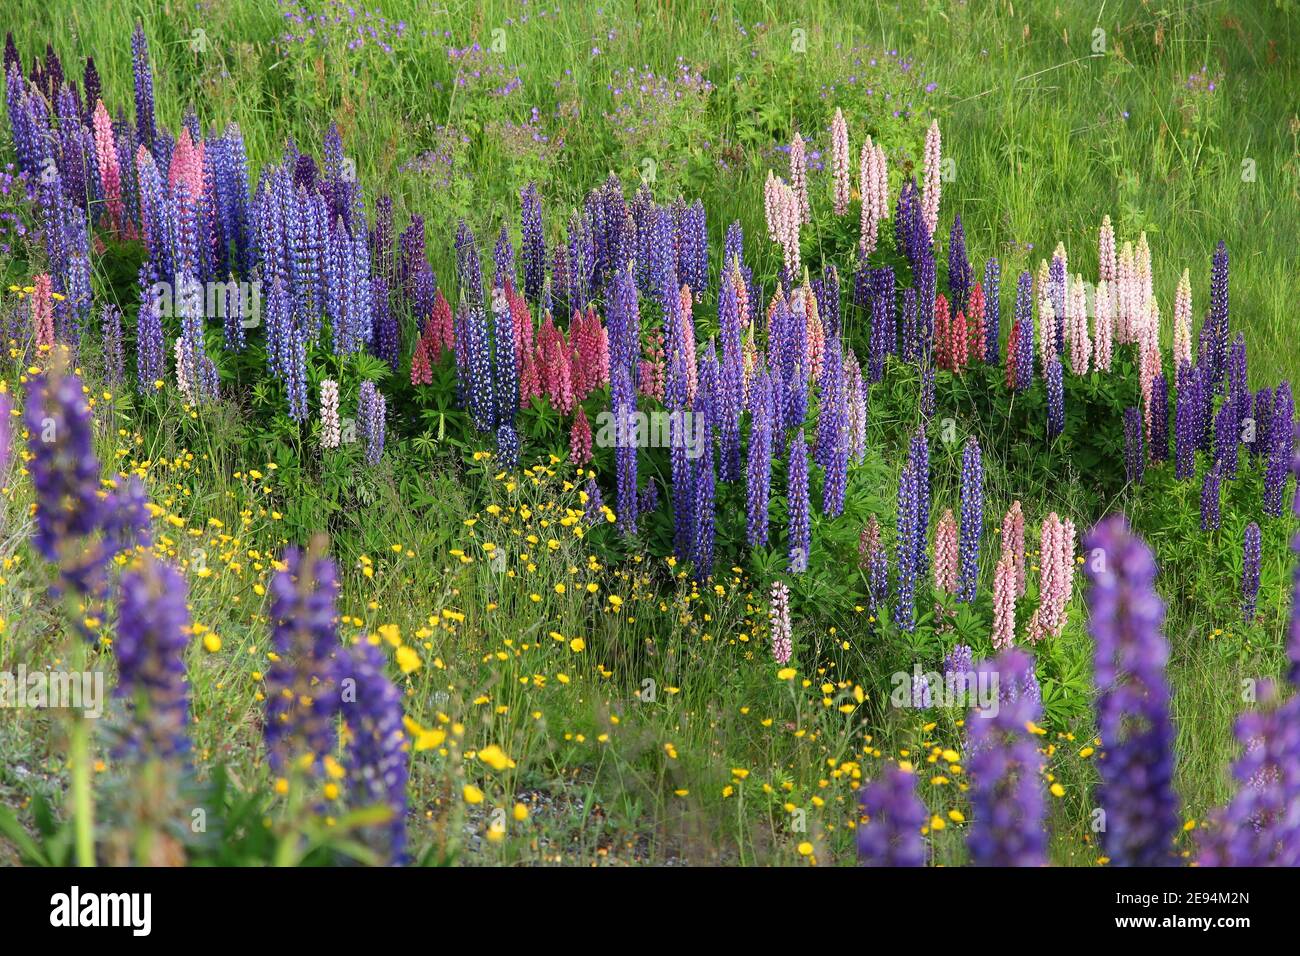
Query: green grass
point(1048, 132)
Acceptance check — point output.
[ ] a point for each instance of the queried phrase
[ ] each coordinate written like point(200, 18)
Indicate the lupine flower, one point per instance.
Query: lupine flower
point(906, 561)
point(875, 560)
point(1226, 434)
point(1056, 576)
point(1004, 603)
point(1104, 325)
point(704, 516)
point(329, 414)
point(957, 666)
point(840, 162)
point(972, 518)
point(1186, 411)
point(1055, 397)
point(945, 553)
point(1210, 487)
point(758, 467)
point(302, 701)
point(1006, 789)
point(1159, 418)
point(799, 178)
point(534, 243)
point(832, 450)
point(1218, 317)
point(1124, 618)
point(1013, 543)
point(800, 530)
point(1076, 323)
point(779, 615)
point(377, 760)
point(960, 275)
point(580, 439)
point(1183, 321)
point(1134, 453)
point(1024, 328)
point(43, 311)
point(146, 131)
point(873, 184)
point(372, 410)
point(931, 185)
point(594, 503)
point(1250, 571)
point(152, 634)
point(895, 816)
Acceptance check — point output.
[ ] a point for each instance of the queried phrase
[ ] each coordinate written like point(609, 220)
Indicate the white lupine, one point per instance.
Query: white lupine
point(1104, 325)
point(1076, 313)
point(840, 162)
point(1106, 265)
point(330, 433)
point(1183, 321)
point(931, 187)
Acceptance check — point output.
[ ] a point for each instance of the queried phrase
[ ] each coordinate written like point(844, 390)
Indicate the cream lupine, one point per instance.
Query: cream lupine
point(931, 187)
point(1004, 603)
point(840, 162)
point(1124, 287)
point(771, 206)
point(799, 178)
point(1183, 321)
point(1106, 252)
point(1104, 325)
point(330, 434)
point(945, 553)
point(1013, 543)
point(779, 614)
point(1055, 576)
point(1076, 313)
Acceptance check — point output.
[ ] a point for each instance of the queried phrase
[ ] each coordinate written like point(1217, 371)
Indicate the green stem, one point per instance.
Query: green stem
point(83, 801)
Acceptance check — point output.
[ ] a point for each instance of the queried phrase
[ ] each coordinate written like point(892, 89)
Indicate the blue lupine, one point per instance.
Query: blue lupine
point(961, 278)
point(1134, 453)
point(1024, 344)
point(972, 519)
point(1250, 558)
point(1125, 614)
point(799, 537)
point(1210, 488)
point(906, 560)
point(758, 471)
point(1055, 396)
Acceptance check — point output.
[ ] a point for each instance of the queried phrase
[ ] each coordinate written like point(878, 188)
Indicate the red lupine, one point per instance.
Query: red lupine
point(976, 320)
point(580, 439)
point(43, 310)
point(440, 328)
point(421, 371)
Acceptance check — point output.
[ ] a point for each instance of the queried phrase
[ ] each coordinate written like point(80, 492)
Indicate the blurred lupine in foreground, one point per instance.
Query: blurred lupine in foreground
point(1137, 735)
point(1006, 787)
point(895, 816)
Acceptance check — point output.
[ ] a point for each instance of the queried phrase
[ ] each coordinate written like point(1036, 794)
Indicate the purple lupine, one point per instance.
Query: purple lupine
point(919, 454)
point(146, 130)
point(1056, 282)
point(957, 666)
point(799, 536)
point(505, 369)
point(795, 368)
point(1226, 433)
point(1218, 317)
point(1024, 343)
point(1186, 410)
point(909, 350)
point(594, 507)
point(758, 470)
point(961, 278)
point(992, 310)
point(882, 320)
point(1006, 788)
point(875, 559)
point(377, 761)
point(704, 514)
point(906, 560)
point(1250, 558)
point(827, 291)
point(927, 291)
point(1261, 825)
point(1055, 397)
point(152, 634)
point(731, 383)
point(928, 397)
point(110, 322)
point(1238, 390)
point(1134, 453)
point(1210, 488)
point(302, 700)
point(1280, 442)
point(1136, 765)
point(972, 519)
point(150, 355)
point(534, 242)
point(1159, 418)
point(683, 496)
point(832, 443)
point(372, 410)
point(895, 816)
point(295, 373)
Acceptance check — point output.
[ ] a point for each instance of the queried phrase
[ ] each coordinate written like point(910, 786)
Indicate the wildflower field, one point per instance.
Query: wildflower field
point(621, 434)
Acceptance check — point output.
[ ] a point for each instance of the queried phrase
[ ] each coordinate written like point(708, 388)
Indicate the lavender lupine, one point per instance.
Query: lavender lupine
point(302, 700)
point(1210, 494)
point(1136, 765)
point(377, 762)
point(372, 410)
point(758, 470)
point(972, 520)
point(1006, 788)
point(1134, 453)
point(895, 817)
point(799, 536)
point(1250, 558)
point(832, 449)
point(152, 634)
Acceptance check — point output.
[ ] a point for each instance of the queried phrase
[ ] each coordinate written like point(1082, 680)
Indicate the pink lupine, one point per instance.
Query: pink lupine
point(687, 325)
point(421, 370)
point(1106, 252)
point(330, 432)
point(782, 630)
point(1143, 272)
point(43, 310)
point(1076, 319)
point(1013, 543)
point(1046, 317)
point(1055, 576)
point(1004, 602)
point(1104, 330)
point(1183, 322)
point(187, 164)
point(772, 206)
point(580, 439)
point(110, 170)
point(945, 553)
point(788, 223)
point(931, 186)
point(873, 184)
point(441, 328)
point(959, 350)
point(742, 294)
point(799, 178)
point(1125, 283)
point(840, 162)
point(651, 379)
point(815, 339)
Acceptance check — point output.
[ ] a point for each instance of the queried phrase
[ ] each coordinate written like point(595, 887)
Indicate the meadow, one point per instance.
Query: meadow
point(648, 433)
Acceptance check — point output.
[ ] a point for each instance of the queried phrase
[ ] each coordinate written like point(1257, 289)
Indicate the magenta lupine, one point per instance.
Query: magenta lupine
point(1004, 767)
point(1125, 615)
point(781, 627)
point(972, 519)
point(895, 816)
point(945, 553)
